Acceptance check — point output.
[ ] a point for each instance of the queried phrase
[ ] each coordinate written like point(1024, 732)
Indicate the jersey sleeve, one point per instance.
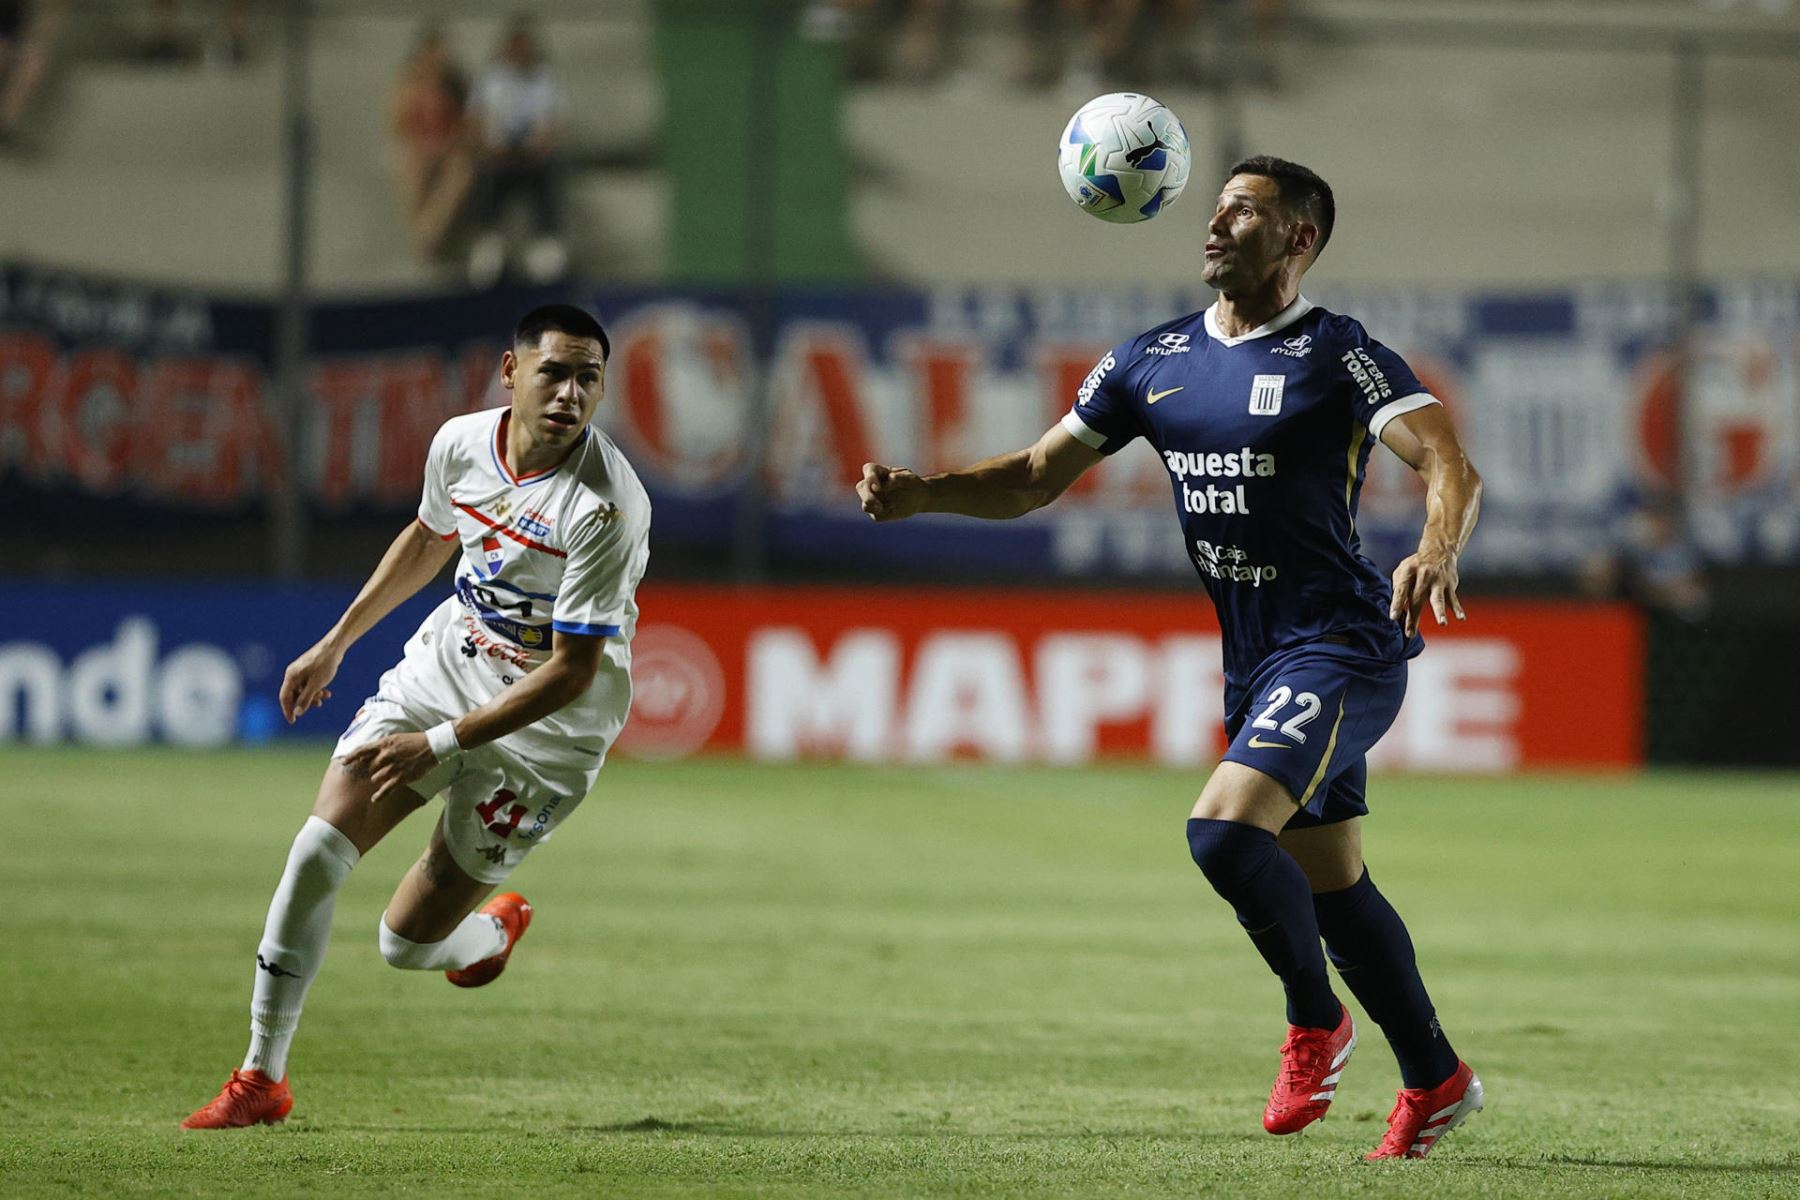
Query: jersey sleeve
point(435, 513)
point(1382, 385)
point(1104, 416)
point(598, 593)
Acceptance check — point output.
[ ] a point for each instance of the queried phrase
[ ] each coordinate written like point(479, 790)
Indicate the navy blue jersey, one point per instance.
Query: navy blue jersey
point(1265, 438)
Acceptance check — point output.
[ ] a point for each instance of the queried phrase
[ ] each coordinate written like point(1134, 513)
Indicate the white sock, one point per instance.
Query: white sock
point(479, 936)
point(294, 940)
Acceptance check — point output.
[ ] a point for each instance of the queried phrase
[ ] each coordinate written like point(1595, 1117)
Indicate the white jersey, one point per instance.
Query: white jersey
point(560, 550)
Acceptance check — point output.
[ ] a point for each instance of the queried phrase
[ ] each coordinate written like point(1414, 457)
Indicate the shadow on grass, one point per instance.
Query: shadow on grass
point(1559, 1161)
point(1551, 1163)
point(725, 1129)
point(658, 1125)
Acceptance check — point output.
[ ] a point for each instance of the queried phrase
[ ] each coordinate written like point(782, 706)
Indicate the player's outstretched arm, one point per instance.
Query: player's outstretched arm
point(1426, 440)
point(393, 762)
point(1007, 485)
point(411, 562)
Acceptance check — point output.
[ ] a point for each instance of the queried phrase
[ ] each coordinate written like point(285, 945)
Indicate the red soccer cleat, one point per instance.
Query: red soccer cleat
point(1421, 1116)
point(1311, 1061)
point(248, 1098)
point(513, 912)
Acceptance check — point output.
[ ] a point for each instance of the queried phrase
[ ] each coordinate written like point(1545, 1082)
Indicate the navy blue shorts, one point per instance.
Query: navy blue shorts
point(1307, 718)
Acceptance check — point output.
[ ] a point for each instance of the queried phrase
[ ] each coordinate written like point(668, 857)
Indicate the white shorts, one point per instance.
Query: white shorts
point(497, 806)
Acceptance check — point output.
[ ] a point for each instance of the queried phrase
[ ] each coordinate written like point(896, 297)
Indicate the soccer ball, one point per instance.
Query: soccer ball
point(1124, 157)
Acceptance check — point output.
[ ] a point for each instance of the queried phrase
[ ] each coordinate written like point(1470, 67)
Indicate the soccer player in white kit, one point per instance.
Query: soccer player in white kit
point(505, 701)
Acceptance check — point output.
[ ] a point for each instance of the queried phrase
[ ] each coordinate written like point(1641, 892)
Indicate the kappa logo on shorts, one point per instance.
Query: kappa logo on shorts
point(494, 854)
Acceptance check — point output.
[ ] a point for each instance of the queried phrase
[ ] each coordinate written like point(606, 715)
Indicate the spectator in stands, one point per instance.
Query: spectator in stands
point(1652, 562)
point(1248, 59)
point(428, 117)
point(27, 35)
point(518, 116)
point(833, 20)
point(1103, 36)
point(231, 45)
point(900, 39)
point(1133, 43)
point(919, 52)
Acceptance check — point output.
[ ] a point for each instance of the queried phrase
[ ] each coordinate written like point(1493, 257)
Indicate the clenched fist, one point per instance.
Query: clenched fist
point(890, 493)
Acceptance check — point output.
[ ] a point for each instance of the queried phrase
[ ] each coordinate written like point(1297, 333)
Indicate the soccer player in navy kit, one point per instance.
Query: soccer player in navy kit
point(1265, 409)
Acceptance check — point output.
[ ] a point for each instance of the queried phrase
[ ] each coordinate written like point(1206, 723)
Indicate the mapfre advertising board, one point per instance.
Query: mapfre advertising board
point(924, 676)
point(860, 674)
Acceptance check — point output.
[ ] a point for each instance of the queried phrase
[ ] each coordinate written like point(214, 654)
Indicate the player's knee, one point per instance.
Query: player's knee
point(320, 855)
point(1228, 852)
point(404, 954)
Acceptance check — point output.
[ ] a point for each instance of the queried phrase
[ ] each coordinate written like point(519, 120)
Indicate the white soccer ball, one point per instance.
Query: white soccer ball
point(1124, 157)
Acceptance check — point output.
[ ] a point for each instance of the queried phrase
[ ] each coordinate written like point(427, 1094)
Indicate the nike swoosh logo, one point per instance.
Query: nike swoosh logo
point(1153, 397)
point(1258, 744)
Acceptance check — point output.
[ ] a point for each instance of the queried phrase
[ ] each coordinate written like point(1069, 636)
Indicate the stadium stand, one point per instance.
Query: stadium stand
point(1573, 174)
point(197, 152)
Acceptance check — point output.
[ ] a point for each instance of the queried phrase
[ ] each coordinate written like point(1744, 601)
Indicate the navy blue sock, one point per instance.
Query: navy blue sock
point(1373, 953)
point(1274, 904)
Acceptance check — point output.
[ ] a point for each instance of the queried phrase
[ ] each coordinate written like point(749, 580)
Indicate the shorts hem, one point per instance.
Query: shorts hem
point(1292, 796)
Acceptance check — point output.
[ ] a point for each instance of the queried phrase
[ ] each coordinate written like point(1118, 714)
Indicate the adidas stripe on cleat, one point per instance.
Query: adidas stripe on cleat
point(1422, 1116)
point(1312, 1062)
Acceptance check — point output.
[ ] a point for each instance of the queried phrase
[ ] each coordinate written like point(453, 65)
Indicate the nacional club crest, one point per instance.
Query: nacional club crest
point(493, 554)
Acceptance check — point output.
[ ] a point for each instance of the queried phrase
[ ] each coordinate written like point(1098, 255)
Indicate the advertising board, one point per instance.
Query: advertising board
point(872, 674)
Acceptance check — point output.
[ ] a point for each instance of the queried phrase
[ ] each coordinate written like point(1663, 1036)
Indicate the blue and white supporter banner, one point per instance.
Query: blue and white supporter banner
point(1577, 405)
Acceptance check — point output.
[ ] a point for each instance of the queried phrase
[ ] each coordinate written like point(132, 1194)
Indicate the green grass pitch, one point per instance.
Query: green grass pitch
point(822, 982)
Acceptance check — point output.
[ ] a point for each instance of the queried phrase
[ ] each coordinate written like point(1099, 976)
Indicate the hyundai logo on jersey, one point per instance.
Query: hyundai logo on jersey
point(492, 552)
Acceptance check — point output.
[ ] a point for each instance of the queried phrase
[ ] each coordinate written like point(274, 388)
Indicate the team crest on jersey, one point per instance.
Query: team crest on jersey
point(1171, 343)
point(1294, 347)
point(493, 554)
point(1265, 395)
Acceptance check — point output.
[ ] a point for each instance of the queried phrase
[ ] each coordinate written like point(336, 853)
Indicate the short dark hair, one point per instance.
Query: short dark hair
point(561, 318)
point(1302, 192)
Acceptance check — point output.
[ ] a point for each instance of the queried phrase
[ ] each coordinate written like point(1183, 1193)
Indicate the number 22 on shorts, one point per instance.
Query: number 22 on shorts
point(1308, 703)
